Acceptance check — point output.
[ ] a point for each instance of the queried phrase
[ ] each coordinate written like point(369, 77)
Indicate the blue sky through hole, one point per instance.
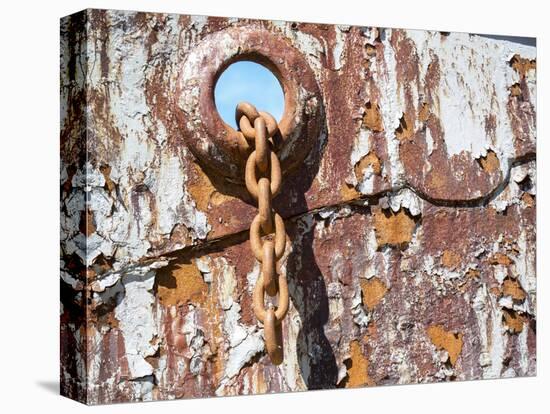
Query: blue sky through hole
point(251, 82)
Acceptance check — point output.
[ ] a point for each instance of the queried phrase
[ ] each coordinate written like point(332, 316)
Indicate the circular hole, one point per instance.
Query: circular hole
point(250, 82)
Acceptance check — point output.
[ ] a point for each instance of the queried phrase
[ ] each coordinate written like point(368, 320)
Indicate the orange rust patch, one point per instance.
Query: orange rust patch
point(495, 291)
point(473, 273)
point(348, 192)
point(490, 162)
point(180, 284)
point(513, 320)
point(87, 224)
point(213, 309)
point(372, 118)
point(203, 192)
point(405, 129)
point(369, 160)
point(373, 291)
point(450, 259)
point(511, 287)
point(371, 50)
point(522, 65)
point(424, 113)
point(258, 378)
point(218, 198)
point(437, 180)
point(528, 200)
point(68, 184)
point(106, 171)
point(515, 90)
point(201, 188)
point(393, 228)
point(449, 341)
point(372, 332)
point(181, 234)
point(111, 320)
point(500, 259)
point(358, 369)
point(102, 264)
point(153, 360)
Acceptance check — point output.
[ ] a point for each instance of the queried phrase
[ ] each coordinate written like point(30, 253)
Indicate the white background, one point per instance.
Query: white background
point(29, 134)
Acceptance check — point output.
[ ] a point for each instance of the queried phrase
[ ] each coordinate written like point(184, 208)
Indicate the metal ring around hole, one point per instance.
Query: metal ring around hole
point(216, 145)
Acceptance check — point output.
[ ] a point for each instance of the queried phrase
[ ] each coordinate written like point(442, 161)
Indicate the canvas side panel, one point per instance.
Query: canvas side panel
point(411, 244)
point(74, 223)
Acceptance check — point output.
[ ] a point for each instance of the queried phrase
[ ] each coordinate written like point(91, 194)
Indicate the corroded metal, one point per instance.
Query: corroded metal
point(267, 252)
point(411, 221)
point(252, 181)
point(216, 144)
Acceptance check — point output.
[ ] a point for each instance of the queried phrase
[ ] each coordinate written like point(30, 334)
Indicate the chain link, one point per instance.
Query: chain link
point(250, 175)
point(263, 181)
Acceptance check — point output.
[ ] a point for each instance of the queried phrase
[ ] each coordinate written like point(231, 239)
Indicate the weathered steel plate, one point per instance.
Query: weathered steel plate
point(411, 251)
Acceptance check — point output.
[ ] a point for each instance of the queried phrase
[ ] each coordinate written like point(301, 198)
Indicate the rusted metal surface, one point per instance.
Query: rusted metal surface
point(411, 221)
point(217, 145)
point(268, 223)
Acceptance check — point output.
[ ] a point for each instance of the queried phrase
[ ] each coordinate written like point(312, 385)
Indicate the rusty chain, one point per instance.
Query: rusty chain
point(263, 181)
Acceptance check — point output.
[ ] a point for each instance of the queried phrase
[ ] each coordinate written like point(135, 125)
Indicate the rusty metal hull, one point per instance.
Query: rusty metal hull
point(411, 221)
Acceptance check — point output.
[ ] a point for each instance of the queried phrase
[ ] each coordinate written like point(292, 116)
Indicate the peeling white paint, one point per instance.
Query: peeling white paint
point(491, 333)
point(340, 42)
point(371, 33)
point(360, 316)
point(523, 351)
point(291, 363)
point(404, 198)
point(429, 142)
point(406, 370)
point(361, 146)
point(70, 280)
point(512, 193)
point(137, 323)
point(526, 272)
point(252, 277)
point(243, 342)
point(194, 337)
point(109, 279)
point(125, 222)
point(203, 264)
point(309, 45)
point(392, 107)
point(474, 88)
